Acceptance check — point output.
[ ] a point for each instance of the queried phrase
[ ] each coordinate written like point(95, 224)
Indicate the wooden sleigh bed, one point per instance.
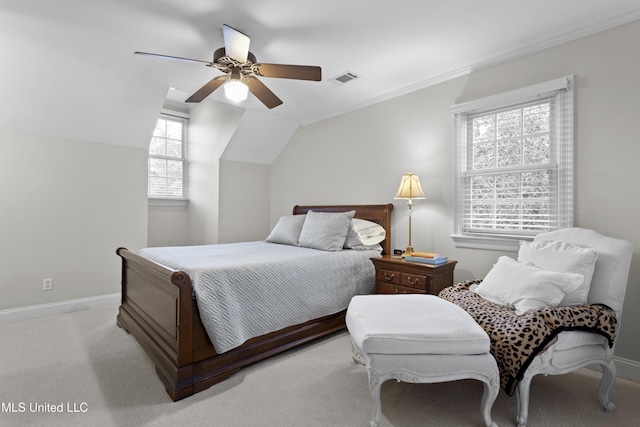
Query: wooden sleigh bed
point(158, 309)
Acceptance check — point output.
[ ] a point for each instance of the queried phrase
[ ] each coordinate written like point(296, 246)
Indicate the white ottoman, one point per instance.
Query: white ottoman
point(420, 339)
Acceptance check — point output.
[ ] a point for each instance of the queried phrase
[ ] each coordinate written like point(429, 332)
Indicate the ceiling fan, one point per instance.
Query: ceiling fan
point(242, 70)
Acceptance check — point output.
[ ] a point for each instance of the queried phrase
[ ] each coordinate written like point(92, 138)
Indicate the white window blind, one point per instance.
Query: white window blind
point(168, 159)
point(514, 165)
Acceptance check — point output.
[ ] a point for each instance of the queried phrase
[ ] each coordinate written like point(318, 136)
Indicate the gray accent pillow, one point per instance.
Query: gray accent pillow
point(287, 230)
point(325, 230)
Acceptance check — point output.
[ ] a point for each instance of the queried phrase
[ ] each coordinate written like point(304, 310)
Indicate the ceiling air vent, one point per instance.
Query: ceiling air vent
point(345, 77)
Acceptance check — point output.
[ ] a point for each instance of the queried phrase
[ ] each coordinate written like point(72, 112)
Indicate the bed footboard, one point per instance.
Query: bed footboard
point(157, 309)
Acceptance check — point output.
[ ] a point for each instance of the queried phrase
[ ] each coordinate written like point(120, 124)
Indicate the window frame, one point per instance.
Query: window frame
point(560, 163)
point(172, 201)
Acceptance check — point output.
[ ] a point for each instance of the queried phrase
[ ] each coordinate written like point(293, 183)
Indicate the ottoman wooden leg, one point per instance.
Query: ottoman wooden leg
point(375, 384)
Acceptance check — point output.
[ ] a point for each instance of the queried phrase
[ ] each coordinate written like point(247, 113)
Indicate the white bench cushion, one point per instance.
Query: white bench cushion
point(413, 324)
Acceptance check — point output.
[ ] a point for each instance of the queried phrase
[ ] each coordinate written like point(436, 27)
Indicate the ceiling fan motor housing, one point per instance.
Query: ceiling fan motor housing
point(220, 57)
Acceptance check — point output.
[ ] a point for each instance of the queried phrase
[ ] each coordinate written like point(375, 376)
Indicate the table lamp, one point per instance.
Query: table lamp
point(410, 190)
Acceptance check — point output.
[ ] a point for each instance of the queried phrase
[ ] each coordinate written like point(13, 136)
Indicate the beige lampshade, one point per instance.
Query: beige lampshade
point(410, 187)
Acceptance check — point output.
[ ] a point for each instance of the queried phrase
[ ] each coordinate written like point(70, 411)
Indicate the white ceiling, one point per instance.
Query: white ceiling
point(68, 68)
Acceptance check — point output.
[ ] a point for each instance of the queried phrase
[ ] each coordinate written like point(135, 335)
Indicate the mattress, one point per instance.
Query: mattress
point(248, 289)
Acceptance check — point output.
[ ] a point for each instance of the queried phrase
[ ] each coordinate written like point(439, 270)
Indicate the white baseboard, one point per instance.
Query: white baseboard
point(629, 369)
point(43, 310)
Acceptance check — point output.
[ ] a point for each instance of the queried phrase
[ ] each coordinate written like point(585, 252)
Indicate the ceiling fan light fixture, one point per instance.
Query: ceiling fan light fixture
point(235, 90)
point(241, 71)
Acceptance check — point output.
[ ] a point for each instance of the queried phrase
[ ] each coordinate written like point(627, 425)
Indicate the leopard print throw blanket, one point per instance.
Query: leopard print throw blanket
point(517, 340)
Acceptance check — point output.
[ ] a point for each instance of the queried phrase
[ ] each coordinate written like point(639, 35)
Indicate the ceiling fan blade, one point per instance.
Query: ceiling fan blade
point(299, 72)
point(175, 58)
point(207, 89)
point(236, 44)
point(262, 92)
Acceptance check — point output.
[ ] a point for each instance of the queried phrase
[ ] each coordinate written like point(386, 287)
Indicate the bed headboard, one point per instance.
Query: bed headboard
point(380, 214)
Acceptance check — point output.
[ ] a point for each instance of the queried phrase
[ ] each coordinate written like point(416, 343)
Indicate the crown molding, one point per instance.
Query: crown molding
point(490, 62)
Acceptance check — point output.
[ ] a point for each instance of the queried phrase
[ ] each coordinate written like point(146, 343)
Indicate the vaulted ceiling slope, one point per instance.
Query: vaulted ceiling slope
point(68, 68)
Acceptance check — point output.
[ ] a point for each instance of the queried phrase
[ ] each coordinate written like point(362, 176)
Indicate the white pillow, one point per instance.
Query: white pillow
point(287, 230)
point(325, 230)
point(526, 287)
point(363, 232)
point(562, 257)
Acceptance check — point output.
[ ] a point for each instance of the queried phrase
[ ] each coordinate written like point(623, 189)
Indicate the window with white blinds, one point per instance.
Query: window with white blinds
point(514, 165)
point(168, 159)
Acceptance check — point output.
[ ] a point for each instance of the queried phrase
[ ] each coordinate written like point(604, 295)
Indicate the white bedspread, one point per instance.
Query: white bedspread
point(248, 289)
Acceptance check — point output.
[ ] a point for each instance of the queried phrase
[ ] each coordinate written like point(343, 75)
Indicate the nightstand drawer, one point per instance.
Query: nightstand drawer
point(413, 281)
point(388, 276)
point(389, 288)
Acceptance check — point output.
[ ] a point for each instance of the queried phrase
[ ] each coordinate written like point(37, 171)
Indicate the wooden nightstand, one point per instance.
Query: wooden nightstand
point(394, 275)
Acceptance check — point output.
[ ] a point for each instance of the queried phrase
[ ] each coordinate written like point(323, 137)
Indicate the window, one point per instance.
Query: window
point(514, 165)
point(168, 158)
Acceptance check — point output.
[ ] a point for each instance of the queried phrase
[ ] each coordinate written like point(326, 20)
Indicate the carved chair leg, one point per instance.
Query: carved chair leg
point(522, 399)
point(606, 386)
point(491, 390)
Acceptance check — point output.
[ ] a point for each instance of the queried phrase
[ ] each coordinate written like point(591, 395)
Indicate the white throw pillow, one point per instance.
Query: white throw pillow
point(325, 230)
point(562, 257)
point(526, 287)
point(363, 232)
point(287, 230)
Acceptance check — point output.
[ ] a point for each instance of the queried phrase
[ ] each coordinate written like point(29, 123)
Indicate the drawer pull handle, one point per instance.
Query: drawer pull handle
point(388, 276)
point(412, 281)
point(398, 292)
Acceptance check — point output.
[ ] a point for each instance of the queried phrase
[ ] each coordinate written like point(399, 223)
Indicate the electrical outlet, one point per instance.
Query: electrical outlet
point(47, 284)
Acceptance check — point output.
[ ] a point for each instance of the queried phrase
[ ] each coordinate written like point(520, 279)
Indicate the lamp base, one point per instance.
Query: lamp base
point(407, 252)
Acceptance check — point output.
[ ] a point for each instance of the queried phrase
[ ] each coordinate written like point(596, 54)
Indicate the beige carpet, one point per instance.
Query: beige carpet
point(102, 378)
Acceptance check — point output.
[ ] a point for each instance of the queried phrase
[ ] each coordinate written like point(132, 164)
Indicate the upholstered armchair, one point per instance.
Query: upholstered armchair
point(578, 349)
point(555, 309)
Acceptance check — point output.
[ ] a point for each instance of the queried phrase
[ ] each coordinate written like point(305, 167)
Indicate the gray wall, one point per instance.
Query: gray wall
point(359, 157)
point(245, 200)
point(66, 207)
